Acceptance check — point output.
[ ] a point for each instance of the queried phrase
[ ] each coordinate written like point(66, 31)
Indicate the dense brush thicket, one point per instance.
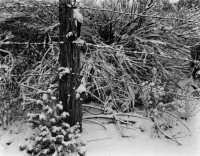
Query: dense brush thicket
point(125, 43)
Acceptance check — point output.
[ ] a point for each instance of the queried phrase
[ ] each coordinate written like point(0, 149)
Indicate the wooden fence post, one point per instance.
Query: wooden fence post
point(69, 57)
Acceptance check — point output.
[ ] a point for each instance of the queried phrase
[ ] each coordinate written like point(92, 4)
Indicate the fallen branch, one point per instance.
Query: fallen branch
point(167, 127)
point(133, 115)
point(130, 127)
point(166, 135)
point(90, 106)
point(125, 122)
point(177, 119)
point(99, 139)
point(87, 110)
point(121, 130)
point(183, 136)
point(95, 123)
point(99, 116)
point(112, 117)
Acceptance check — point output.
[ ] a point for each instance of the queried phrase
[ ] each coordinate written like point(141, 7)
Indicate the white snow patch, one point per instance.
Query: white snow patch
point(53, 120)
point(42, 117)
point(173, 1)
point(82, 149)
point(39, 102)
point(45, 97)
point(77, 15)
point(56, 129)
point(64, 115)
point(69, 34)
point(50, 110)
point(59, 106)
point(63, 71)
point(65, 125)
point(81, 89)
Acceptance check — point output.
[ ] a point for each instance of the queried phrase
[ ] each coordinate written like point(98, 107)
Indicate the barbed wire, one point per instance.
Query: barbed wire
point(94, 9)
point(123, 81)
point(29, 43)
point(95, 45)
point(130, 14)
point(18, 5)
point(114, 79)
point(133, 83)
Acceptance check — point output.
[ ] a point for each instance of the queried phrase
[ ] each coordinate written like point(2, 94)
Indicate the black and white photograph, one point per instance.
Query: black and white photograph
point(99, 77)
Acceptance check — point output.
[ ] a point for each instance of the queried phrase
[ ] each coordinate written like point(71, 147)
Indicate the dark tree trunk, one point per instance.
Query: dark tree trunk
point(69, 57)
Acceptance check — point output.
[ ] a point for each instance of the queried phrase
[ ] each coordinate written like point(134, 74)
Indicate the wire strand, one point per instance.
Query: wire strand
point(97, 9)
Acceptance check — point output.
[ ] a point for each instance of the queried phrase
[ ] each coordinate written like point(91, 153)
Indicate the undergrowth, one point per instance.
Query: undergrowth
point(55, 136)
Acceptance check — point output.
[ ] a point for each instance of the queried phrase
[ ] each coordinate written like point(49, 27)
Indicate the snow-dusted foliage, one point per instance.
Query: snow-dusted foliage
point(55, 136)
point(152, 93)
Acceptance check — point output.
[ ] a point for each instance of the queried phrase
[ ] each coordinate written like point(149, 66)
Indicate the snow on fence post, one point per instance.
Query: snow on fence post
point(69, 59)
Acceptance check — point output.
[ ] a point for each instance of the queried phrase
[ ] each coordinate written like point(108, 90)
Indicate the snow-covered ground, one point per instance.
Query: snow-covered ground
point(108, 142)
point(12, 138)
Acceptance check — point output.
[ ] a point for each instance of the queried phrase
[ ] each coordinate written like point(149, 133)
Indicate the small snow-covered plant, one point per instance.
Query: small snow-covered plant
point(186, 107)
point(162, 113)
point(151, 94)
point(55, 136)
